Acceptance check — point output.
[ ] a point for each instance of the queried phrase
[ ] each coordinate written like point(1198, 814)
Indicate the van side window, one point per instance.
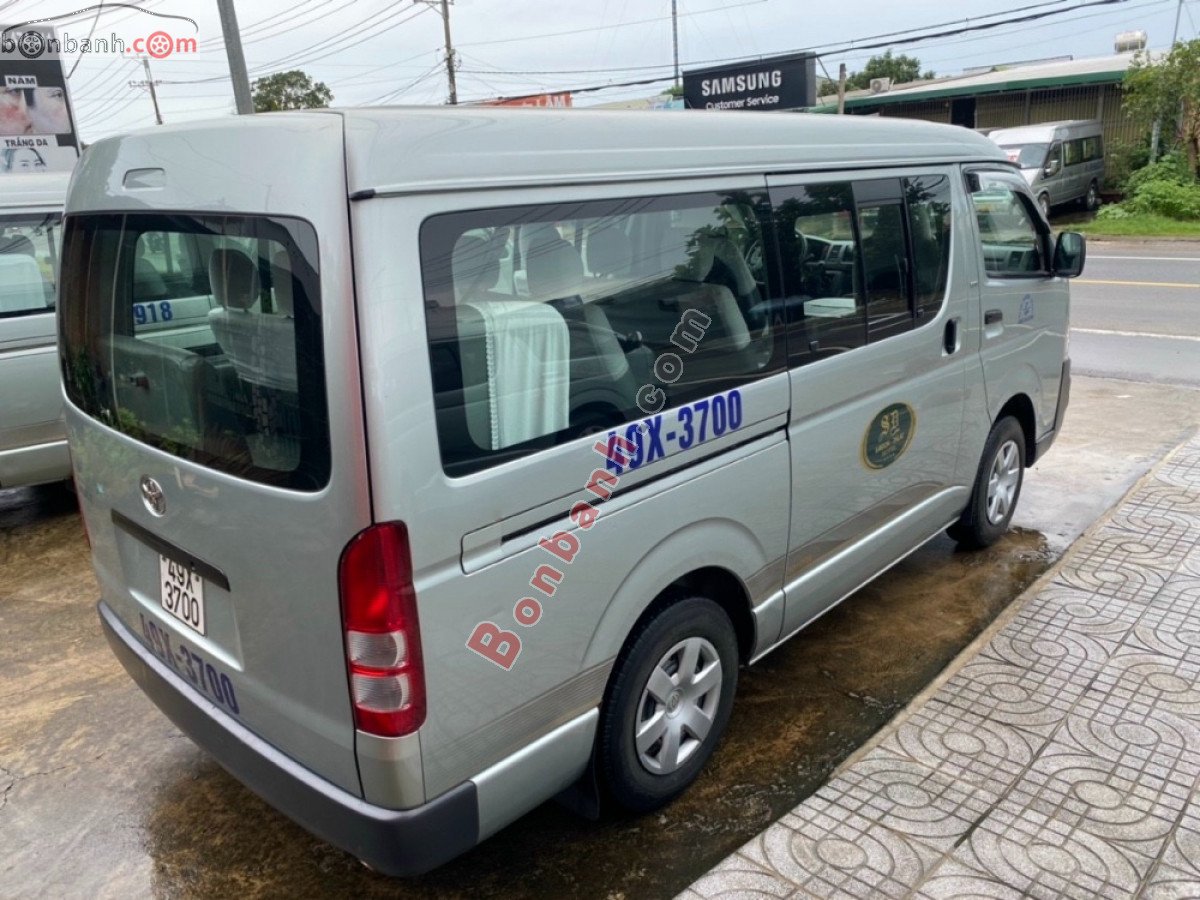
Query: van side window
point(818, 247)
point(1073, 152)
point(928, 201)
point(1008, 229)
point(884, 252)
point(1093, 148)
point(545, 323)
point(28, 263)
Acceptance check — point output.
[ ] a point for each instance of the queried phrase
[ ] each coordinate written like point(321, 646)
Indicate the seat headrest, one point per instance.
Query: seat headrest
point(553, 269)
point(608, 252)
point(281, 280)
point(234, 278)
point(704, 253)
point(475, 264)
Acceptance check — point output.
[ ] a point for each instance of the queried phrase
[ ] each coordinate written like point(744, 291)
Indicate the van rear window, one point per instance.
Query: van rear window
point(201, 336)
point(28, 263)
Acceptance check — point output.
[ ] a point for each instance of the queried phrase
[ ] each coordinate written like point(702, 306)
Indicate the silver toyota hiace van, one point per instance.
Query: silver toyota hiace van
point(33, 438)
point(440, 461)
point(1062, 161)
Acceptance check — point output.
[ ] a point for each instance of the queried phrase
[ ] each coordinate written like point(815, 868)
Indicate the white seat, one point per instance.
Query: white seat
point(261, 346)
point(22, 287)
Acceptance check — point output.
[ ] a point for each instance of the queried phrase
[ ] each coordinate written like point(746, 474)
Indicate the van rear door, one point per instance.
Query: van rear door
point(207, 360)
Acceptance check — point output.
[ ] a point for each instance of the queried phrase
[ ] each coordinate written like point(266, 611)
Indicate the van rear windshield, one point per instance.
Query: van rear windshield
point(200, 335)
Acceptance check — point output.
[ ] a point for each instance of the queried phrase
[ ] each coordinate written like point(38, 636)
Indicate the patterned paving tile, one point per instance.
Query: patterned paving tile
point(1123, 581)
point(839, 853)
point(965, 745)
point(1041, 856)
point(1062, 761)
point(954, 880)
point(905, 796)
point(1170, 884)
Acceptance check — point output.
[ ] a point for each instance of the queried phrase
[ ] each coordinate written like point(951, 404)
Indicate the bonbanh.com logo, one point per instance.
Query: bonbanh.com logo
point(33, 43)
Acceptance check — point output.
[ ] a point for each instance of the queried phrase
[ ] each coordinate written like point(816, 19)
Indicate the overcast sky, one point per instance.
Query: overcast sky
point(391, 50)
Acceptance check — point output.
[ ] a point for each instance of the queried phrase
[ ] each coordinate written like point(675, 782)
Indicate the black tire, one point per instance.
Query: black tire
point(975, 529)
point(628, 781)
point(1044, 204)
point(1091, 200)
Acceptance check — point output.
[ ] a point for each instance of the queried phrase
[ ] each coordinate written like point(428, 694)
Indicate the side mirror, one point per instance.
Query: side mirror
point(1069, 254)
point(1052, 168)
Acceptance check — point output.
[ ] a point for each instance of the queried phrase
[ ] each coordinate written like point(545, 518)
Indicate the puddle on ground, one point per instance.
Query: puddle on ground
point(798, 714)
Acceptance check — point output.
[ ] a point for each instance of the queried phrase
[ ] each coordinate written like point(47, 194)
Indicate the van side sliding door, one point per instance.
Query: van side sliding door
point(877, 373)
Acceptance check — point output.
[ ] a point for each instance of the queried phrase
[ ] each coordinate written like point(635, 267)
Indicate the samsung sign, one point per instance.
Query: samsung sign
point(781, 82)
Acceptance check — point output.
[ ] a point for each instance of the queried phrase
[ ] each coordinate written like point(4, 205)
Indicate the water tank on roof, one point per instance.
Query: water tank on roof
point(1131, 41)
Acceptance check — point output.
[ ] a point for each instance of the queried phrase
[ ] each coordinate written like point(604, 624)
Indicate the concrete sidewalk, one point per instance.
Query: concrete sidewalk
point(1061, 759)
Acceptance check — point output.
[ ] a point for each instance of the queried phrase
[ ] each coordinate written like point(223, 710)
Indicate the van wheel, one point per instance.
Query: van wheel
point(668, 703)
point(997, 488)
point(1044, 203)
point(1092, 201)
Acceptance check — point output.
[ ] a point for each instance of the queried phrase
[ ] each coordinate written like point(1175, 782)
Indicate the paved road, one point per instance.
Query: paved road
point(1135, 313)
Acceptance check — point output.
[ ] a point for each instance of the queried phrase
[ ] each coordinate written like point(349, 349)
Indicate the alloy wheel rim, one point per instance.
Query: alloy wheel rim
point(678, 706)
point(1003, 479)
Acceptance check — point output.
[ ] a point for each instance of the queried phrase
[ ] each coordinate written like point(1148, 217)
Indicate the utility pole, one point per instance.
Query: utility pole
point(237, 60)
point(842, 89)
point(1156, 131)
point(443, 8)
point(675, 39)
point(149, 83)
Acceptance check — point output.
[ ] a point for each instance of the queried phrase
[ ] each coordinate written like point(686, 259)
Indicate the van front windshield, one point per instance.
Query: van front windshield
point(1027, 156)
point(28, 263)
point(201, 336)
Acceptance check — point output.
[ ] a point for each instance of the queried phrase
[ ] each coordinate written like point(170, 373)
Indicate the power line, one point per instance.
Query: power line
point(831, 49)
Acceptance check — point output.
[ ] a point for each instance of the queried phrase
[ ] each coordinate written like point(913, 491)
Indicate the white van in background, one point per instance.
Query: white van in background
point(1062, 161)
point(33, 441)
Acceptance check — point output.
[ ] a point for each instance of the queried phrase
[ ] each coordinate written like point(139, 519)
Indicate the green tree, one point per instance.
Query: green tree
point(1168, 90)
point(900, 69)
point(289, 90)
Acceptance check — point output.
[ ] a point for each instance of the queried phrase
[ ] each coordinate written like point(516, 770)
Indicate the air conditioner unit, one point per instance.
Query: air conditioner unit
point(1130, 41)
point(880, 85)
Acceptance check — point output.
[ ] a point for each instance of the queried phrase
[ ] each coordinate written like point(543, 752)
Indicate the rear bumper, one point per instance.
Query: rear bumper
point(1064, 397)
point(394, 842)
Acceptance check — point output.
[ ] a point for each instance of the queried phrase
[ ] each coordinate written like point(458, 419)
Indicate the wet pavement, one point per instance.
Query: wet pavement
point(1061, 760)
point(101, 796)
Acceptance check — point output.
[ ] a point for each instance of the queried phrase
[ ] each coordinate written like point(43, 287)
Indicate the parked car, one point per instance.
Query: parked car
point(357, 542)
point(1062, 161)
point(33, 439)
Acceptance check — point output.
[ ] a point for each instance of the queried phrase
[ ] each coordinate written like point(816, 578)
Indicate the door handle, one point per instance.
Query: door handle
point(993, 317)
point(950, 337)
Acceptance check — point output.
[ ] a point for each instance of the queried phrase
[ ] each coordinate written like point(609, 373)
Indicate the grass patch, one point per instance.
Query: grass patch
point(1139, 225)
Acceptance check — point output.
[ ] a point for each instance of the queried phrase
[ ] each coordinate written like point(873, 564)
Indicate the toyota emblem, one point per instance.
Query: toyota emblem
point(153, 497)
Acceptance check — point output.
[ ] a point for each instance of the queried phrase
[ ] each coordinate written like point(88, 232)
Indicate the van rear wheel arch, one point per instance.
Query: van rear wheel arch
point(1020, 407)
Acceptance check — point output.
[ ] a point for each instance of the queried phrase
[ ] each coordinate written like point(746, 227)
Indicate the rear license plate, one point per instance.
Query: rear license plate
point(181, 592)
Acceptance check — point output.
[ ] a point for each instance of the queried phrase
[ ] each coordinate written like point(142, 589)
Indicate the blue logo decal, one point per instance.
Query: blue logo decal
point(1026, 313)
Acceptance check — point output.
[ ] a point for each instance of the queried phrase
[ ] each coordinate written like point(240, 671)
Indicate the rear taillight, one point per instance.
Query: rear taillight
point(383, 642)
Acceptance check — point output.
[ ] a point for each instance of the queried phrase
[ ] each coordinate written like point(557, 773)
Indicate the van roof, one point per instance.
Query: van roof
point(1042, 130)
point(423, 149)
point(34, 190)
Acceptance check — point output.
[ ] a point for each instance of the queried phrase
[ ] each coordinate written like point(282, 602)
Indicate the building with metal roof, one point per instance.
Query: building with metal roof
point(1007, 96)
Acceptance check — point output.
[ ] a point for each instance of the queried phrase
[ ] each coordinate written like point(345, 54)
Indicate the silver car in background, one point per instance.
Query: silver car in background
point(1062, 161)
point(33, 440)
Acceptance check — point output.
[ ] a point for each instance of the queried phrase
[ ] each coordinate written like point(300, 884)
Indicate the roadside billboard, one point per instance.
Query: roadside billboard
point(561, 99)
point(778, 82)
point(37, 127)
